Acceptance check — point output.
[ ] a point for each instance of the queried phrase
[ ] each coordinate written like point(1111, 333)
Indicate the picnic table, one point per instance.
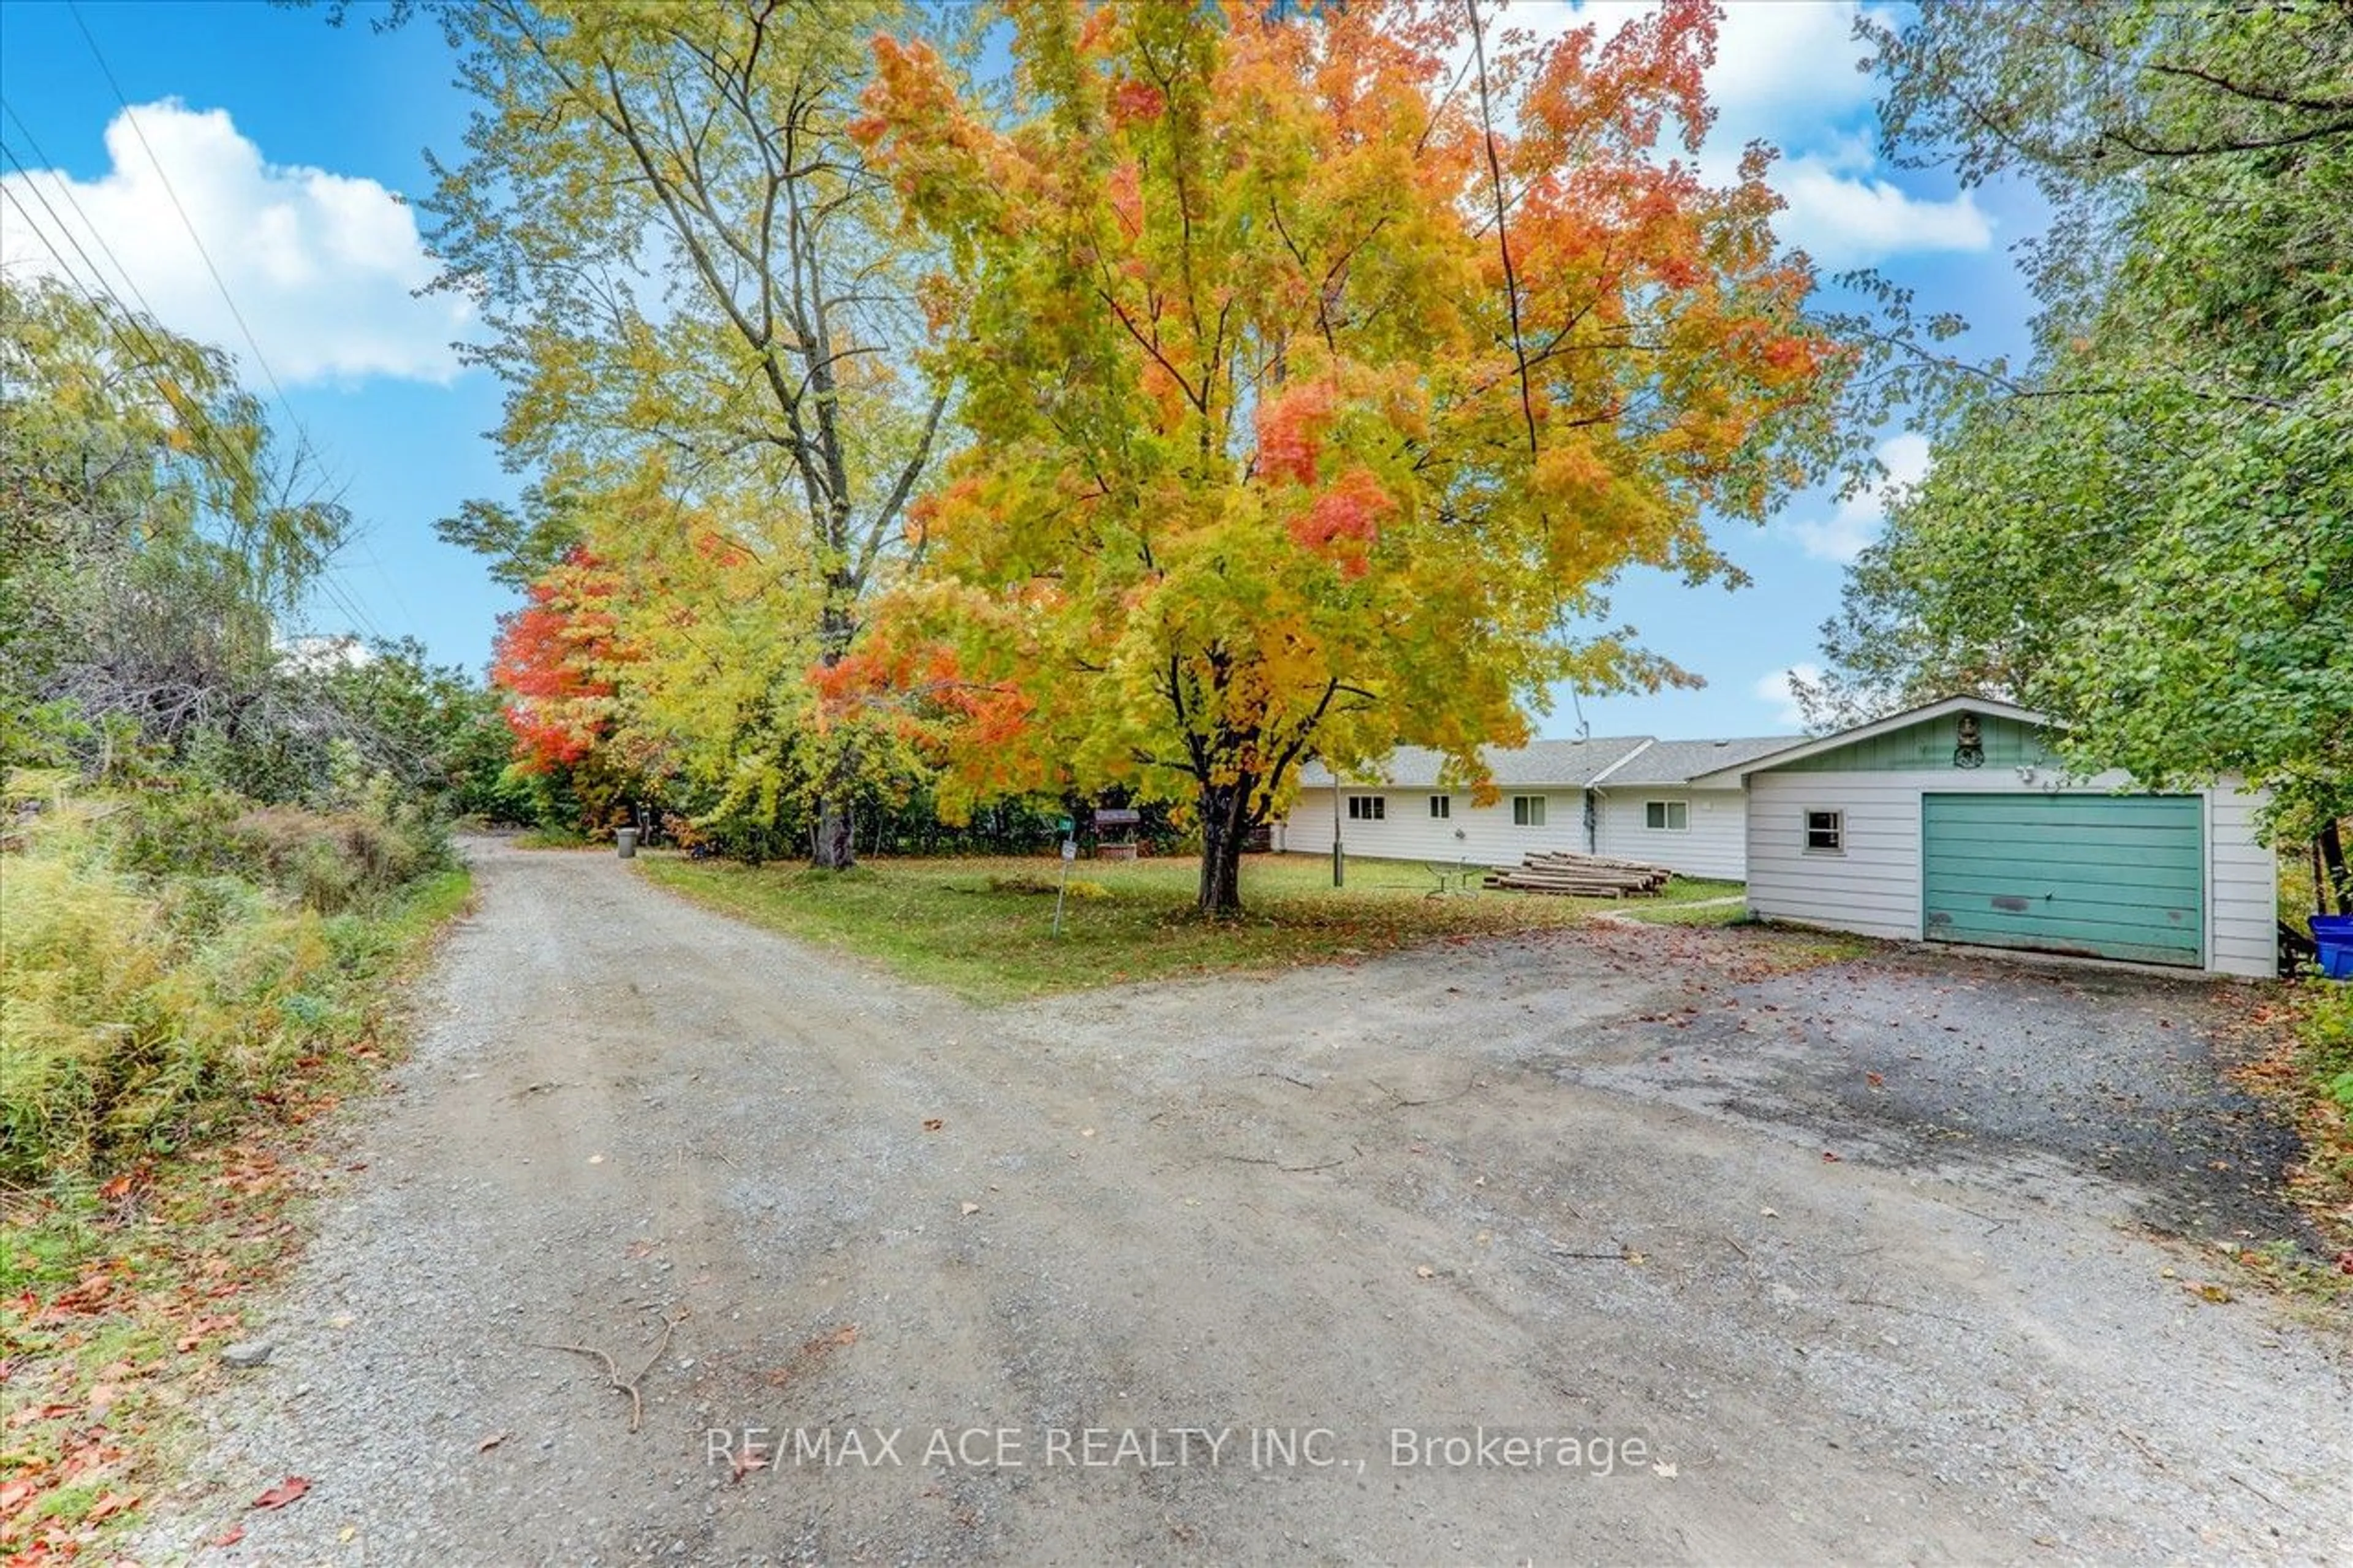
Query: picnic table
point(1460, 877)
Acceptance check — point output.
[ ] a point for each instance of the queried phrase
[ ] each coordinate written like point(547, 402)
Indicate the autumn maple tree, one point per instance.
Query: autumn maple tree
point(558, 662)
point(1324, 364)
point(678, 254)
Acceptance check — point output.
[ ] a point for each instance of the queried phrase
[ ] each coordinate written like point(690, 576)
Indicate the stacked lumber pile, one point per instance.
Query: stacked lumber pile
point(1582, 876)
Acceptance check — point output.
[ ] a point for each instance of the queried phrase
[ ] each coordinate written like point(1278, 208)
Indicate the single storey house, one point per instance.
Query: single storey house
point(1630, 795)
point(1954, 822)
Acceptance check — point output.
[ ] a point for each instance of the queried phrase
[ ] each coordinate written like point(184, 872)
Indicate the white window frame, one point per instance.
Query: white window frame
point(1527, 811)
point(1368, 808)
point(1837, 829)
point(1442, 807)
point(1668, 811)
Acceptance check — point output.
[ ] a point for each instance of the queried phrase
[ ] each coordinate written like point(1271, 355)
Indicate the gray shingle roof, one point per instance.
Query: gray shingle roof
point(1558, 764)
point(1675, 762)
point(1567, 764)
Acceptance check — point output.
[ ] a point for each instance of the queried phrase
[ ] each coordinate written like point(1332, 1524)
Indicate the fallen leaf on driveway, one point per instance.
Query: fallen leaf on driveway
point(492, 1441)
point(230, 1537)
point(1667, 1471)
point(1876, 1080)
point(1830, 1157)
point(1425, 1272)
point(933, 1124)
point(2205, 1291)
point(284, 1492)
point(109, 1506)
point(968, 1210)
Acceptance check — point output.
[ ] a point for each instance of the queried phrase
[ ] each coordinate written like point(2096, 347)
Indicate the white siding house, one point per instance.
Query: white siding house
point(1646, 808)
point(1623, 796)
point(1953, 823)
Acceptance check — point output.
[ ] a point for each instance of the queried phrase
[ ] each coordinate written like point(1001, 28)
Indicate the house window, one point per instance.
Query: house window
point(1527, 811)
point(1441, 806)
point(1367, 808)
point(1667, 816)
point(1826, 832)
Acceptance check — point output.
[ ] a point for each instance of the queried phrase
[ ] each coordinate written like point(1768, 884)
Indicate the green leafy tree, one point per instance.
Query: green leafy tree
point(150, 527)
point(679, 252)
point(2148, 530)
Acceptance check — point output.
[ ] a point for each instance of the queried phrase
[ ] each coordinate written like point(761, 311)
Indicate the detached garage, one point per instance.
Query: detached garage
point(1954, 822)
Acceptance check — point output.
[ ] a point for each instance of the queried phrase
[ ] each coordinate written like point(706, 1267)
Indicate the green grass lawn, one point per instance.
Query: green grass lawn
point(983, 928)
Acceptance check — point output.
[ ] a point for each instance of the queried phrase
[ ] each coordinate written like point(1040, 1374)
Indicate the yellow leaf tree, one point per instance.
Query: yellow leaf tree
point(1324, 366)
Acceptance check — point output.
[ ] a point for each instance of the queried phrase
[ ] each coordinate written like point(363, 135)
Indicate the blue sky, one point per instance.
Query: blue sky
point(289, 142)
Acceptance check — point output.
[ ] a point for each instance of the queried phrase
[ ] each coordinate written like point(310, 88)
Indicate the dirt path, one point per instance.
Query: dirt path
point(1334, 1206)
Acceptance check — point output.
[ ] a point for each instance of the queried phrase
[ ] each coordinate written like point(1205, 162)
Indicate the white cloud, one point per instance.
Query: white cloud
point(1775, 62)
point(322, 266)
point(1844, 220)
point(1774, 689)
point(1842, 536)
point(1787, 74)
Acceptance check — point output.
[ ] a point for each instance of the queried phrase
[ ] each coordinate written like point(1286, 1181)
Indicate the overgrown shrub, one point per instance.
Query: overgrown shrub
point(329, 861)
point(164, 962)
point(2327, 1031)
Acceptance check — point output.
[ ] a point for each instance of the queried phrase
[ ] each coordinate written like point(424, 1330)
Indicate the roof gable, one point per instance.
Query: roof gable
point(2015, 720)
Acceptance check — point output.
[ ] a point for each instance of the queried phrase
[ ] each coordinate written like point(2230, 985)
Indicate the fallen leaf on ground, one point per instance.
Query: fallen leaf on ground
point(230, 1537)
point(492, 1441)
point(1666, 1471)
point(1830, 1157)
point(1425, 1272)
point(284, 1492)
point(933, 1124)
point(110, 1505)
point(968, 1210)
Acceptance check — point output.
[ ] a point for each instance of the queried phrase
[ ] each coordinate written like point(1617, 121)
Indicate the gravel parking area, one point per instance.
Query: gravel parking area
point(1507, 1251)
point(1989, 1069)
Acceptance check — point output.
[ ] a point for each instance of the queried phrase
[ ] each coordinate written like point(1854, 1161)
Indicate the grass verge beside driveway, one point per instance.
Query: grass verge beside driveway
point(120, 1280)
point(983, 928)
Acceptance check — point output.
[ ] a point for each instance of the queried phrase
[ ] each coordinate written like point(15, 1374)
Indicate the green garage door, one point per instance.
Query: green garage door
point(2105, 876)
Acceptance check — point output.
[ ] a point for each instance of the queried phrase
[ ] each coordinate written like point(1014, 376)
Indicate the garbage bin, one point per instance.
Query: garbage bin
point(2333, 935)
point(626, 839)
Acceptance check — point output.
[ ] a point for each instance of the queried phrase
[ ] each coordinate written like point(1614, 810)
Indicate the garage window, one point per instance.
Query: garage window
point(1826, 832)
point(1666, 816)
point(1527, 811)
point(1441, 806)
point(1367, 808)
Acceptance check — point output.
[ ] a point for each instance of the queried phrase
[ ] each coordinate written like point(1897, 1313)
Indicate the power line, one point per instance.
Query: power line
point(156, 360)
point(163, 176)
point(66, 191)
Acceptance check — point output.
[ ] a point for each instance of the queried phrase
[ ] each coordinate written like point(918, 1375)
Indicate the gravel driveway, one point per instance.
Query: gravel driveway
point(1429, 1259)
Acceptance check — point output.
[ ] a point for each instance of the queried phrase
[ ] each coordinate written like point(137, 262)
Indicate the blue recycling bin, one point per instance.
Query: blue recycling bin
point(2333, 935)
